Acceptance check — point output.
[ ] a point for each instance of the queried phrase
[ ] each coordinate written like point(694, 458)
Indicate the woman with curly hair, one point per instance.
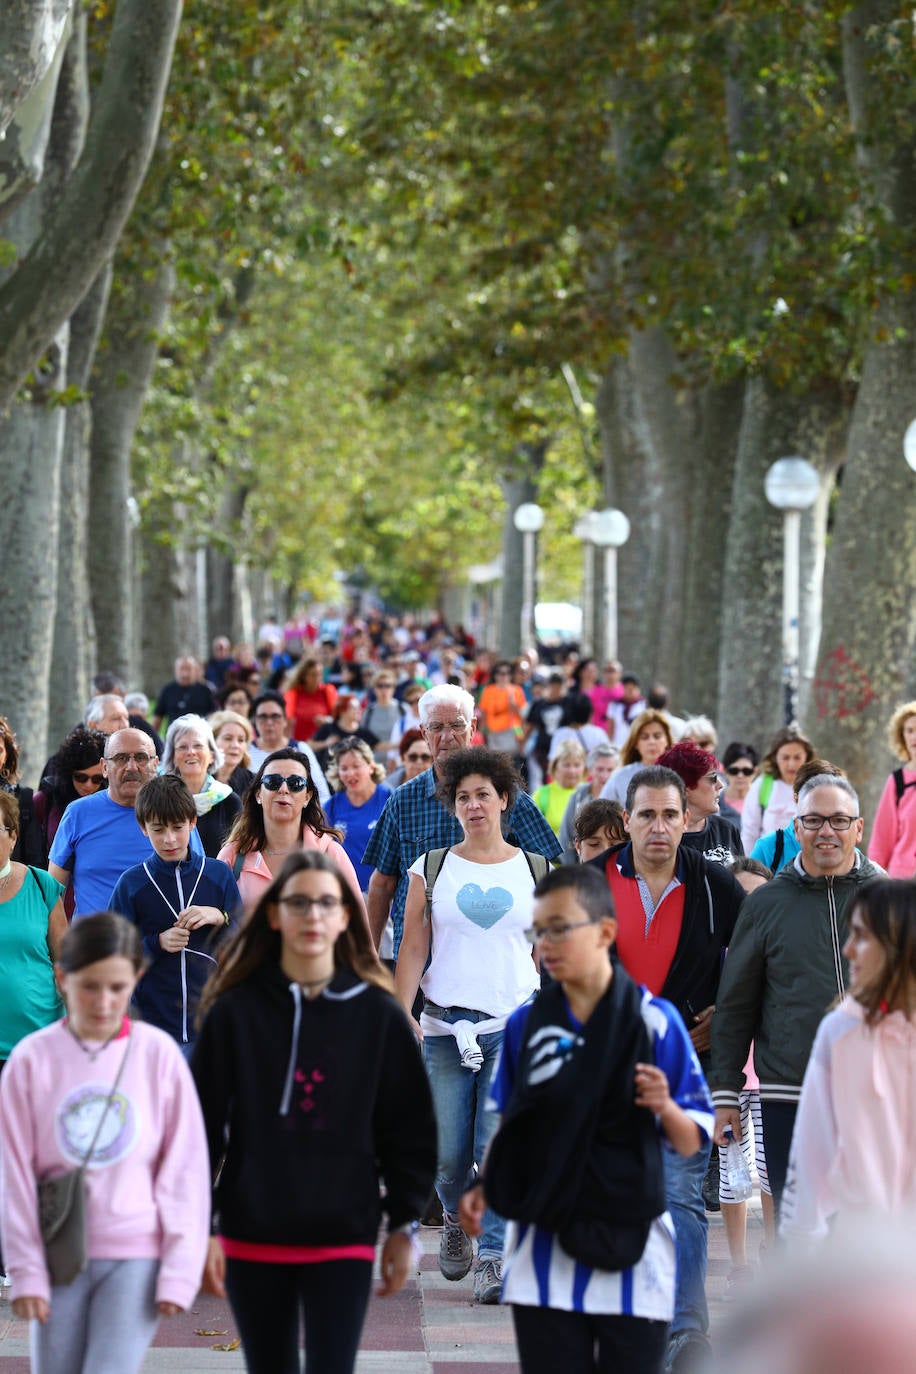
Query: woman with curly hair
point(280, 815)
point(893, 836)
point(75, 771)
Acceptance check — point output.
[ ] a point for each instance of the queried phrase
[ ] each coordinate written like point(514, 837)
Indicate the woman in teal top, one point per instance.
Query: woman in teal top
point(32, 925)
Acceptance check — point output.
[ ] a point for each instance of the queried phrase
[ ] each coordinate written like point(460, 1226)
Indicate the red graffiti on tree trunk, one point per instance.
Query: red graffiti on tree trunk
point(841, 687)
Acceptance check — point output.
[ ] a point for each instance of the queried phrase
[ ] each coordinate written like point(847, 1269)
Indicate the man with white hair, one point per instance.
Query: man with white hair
point(107, 713)
point(415, 821)
point(785, 968)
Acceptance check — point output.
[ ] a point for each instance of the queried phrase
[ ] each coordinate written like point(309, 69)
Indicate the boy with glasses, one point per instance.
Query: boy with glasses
point(597, 1080)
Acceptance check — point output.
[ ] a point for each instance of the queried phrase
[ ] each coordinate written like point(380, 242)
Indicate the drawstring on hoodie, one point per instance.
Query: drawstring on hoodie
point(293, 1048)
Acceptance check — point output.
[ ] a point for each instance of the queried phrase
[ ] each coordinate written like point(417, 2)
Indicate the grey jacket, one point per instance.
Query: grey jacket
point(783, 972)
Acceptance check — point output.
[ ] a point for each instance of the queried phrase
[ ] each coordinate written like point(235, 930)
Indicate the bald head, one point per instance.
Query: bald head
point(130, 761)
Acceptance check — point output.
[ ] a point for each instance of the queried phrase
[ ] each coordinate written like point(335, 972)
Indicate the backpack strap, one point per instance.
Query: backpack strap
point(778, 850)
point(538, 864)
point(899, 785)
point(237, 866)
point(766, 791)
point(432, 865)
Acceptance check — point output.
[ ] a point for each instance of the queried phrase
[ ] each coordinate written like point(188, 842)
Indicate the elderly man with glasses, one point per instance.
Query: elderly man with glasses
point(785, 967)
point(415, 820)
point(98, 838)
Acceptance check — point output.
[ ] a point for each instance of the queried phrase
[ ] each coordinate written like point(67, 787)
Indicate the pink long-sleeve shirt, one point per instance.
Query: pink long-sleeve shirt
point(855, 1132)
point(893, 835)
point(148, 1183)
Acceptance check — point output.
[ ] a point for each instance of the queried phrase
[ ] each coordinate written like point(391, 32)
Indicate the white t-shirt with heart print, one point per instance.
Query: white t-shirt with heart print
point(480, 957)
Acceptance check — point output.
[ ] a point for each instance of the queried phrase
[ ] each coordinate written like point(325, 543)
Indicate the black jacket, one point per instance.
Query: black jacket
point(712, 899)
point(321, 1098)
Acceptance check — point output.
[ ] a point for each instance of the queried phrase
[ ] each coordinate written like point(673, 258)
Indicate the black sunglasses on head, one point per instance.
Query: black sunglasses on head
point(274, 781)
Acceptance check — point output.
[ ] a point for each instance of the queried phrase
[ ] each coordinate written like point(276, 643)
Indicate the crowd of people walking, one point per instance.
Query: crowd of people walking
point(368, 927)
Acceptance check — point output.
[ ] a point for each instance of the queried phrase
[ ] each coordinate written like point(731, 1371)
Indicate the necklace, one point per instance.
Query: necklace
point(92, 1054)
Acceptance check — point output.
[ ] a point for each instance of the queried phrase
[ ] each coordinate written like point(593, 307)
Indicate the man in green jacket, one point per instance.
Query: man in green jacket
point(785, 968)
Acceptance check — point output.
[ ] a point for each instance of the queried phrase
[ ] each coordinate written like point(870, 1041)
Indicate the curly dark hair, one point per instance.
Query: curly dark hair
point(82, 748)
point(248, 833)
point(498, 767)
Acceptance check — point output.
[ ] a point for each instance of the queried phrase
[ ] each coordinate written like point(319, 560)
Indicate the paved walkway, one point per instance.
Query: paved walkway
point(432, 1327)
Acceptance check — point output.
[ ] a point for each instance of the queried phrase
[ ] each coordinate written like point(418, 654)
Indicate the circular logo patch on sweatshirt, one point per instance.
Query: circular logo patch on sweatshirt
point(78, 1116)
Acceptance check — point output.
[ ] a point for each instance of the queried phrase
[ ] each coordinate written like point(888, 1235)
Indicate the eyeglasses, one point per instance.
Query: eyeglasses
point(710, 777)
point(815, 822)
point(740, 772)
point(451, 727)
point(122, 760)
point(268, 715)
point(82, 778)
point(553, 935)
point(325, 906)
point(419, 758)
point(274, 781)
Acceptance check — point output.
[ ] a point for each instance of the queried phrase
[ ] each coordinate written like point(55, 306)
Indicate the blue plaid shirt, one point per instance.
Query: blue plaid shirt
point(414, 821)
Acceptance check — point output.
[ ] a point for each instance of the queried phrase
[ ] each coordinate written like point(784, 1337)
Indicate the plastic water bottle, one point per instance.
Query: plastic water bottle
point(736, 1170)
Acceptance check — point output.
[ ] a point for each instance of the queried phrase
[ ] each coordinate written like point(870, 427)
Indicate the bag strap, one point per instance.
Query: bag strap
point(111, 1096)
point(778, 850)
point(899, 785)
point(766, 791)
point(237, 865)
point(538, 864)
point(432, 864)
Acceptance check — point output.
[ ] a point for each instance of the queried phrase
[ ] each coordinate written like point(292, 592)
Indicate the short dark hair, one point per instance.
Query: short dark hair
point(578, 709)
point(745, 864)
point(590, 886)
point(498, 767)
point(276, 698)
point(167, 799)
point(600, 814)
point(658, 696)
point(100, 937)
point(736, 750)
point(656, 776)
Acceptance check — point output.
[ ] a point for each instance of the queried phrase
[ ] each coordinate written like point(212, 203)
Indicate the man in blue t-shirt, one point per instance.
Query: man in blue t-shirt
point(98, 837)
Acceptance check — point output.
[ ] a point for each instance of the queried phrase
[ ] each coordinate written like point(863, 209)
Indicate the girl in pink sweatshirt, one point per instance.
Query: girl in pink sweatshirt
point(855, 1133)
point(148, 1177)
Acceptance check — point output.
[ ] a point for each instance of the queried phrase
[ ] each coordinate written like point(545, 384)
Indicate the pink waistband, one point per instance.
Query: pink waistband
point(293, 1254)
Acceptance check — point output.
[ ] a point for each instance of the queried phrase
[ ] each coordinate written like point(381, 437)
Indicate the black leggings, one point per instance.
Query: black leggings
point(778, 1120)
point(580, 1343)
point(267, 1300)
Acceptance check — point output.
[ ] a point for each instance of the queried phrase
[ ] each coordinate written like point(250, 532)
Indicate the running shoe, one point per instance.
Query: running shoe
point(456, 1251)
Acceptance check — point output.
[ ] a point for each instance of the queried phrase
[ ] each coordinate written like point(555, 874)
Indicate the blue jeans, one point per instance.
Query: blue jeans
point(464, 1126)
point(683, 1180)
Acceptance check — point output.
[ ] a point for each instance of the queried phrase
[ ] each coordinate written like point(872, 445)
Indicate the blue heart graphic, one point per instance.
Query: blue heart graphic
point(483, 908)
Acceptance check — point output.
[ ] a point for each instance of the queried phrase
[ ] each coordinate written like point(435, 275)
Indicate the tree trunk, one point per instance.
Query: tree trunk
point(124, 369)
point(868, 640)
point(25, 142)
point(73, 659)
point(629, 484)
point(32, 33)
point(167, 623)
point(80, 232)
point(774, 425)
point(223, 613)
point(518, 488)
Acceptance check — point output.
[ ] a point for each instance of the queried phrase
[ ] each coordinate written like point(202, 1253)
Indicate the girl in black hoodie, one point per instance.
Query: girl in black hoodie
point(307, 1059)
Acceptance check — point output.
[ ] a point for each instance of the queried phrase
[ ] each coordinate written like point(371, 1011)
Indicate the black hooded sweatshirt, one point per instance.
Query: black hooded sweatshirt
point(322, 1098)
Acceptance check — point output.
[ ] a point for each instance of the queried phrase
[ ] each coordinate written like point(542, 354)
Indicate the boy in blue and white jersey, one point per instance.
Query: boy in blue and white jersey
point(597, 1078)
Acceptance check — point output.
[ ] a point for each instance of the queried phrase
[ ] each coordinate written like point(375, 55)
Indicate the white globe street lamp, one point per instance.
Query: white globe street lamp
point(610, 530)
point(792, 486)
point(909, 444)
point(528, 519)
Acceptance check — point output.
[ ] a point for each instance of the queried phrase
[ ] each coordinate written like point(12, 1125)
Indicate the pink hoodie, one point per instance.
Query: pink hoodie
point(148, 1185)
point(855, 1133)
point(893, 834)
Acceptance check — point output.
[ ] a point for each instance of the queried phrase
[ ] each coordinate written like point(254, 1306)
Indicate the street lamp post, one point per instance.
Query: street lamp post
point(610, 530)
point(528, 519)
point(791, 485)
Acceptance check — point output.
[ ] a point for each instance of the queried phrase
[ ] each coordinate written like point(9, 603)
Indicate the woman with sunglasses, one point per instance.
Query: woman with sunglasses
point(281, 814)
point(415, 759)
point(74, 771)
point(739, 763)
